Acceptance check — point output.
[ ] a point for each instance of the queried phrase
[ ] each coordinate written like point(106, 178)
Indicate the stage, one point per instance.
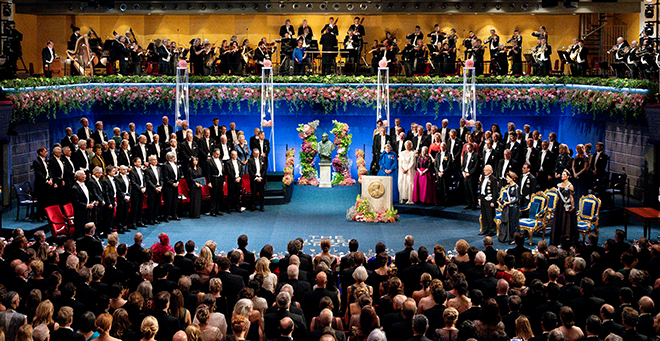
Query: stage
point(316, 213)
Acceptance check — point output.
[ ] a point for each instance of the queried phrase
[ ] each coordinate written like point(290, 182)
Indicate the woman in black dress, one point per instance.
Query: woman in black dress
point(195, 188)
point(580, 172)
point(565, 222)
point(510, 212)
point(564, 161)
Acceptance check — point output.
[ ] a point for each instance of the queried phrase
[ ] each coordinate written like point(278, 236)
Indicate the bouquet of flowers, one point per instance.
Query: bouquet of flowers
point(364, 211)
point(361, 164)
point(307, 153)
point(341, 164)
point(288, 167)
point(266, 123)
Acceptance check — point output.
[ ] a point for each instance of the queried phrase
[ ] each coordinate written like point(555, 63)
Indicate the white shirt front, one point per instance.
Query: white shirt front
point(43, 160)
point(218, 164)
point(114, 157)
point(234, 163)
point(483, 185)
point(114, 187)
point(522, 182)
point(467, 162)
point(504, 168)
point(59, 162)
point(529, 153)
point(487, 152)
point(543, 152)
point(85, 190)
point(101, 135)
point(175, 169)
point(442, 167)
point(225, 152)
point(155, 170)
point(258, 165)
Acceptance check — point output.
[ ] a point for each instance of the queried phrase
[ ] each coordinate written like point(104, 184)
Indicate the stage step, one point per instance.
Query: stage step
point(446, 212)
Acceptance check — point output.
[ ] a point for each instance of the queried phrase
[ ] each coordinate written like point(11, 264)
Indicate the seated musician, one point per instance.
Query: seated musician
point(582, 63)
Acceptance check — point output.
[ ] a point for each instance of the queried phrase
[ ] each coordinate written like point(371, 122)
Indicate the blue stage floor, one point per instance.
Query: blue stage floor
point(316, 213)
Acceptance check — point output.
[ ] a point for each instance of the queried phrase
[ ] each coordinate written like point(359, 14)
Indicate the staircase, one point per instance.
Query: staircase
point(602, 30)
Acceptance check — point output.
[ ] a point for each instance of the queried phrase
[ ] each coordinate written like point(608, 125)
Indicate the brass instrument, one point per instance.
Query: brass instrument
point(613, 49)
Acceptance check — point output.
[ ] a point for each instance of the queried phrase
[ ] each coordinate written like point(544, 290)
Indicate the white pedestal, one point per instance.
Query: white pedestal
point(378, 189)
point(325, 175)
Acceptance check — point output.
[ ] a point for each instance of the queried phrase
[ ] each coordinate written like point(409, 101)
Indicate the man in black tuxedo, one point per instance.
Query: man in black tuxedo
point(181, 134)
point(205, 146)
point(171, 175)
point(149, 133)
point(43, 182)
point(395, 128)
point(123, 197)
point(66, 141)
point(98, 196)
point(263, 145)
point(164, 57)
point(529, 154)
point(57, 171)
point(489, 155)
point(232, 134)
point(421, 140)
point(487, 199)
point(469, 175)
point(82, 200)
point(156, 148)
point(402, 259)
point(99, 136)
point(257, 170)
point(527, 185)
point(167, 325)
point(513, 146)
point(463, 130)
point(592, 328)
point(506, 165)
point(234, 173)
point(216, 180)
point(85, 132)
point(380, 140)
point(132, 134)
point(124, 154)
point(546, 166)
point(328, 43)
point(90, 244)
point(442, 166)
point(287, 28)
point(65, 332)
point(284, 321)
point(180, 261)
point(231, 283)
point(154, 180)
point(81, 158)
point(455, 148)
point(138, 188)
point(47, 57)
point(214, 130)
point(629, 319)
point(187, 151)
point(111, 155)
point(165, 130)
point(553, 144)
point(599, 162)
point(110, 195)
point(141, 150)
point(253, 139)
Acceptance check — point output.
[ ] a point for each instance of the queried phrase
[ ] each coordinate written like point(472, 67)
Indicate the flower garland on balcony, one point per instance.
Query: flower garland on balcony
point(307, 155)
point(341, 164)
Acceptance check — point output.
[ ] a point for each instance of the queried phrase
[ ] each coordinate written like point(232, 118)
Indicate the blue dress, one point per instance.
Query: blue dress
point(388, 161)
point(243, 154)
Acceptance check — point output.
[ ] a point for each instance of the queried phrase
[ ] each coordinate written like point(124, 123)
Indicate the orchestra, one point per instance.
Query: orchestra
point(432, 54)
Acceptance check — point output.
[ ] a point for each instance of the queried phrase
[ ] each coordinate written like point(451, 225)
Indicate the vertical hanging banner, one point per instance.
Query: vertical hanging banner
point(469, 100)
point(267, 106)
point(182, 98)
point(383, 95)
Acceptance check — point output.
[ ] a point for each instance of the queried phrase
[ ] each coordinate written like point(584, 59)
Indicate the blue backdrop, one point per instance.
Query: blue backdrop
point(571, 129)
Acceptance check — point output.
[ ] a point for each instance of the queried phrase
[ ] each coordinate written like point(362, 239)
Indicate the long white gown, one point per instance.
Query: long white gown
point(405, 181)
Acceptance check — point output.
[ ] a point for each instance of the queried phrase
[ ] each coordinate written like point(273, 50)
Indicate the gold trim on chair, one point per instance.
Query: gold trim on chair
point(592, 218)
point(552, 206)
point(540, 219)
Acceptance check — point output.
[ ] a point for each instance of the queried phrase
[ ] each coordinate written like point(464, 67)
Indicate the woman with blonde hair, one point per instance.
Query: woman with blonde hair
point(517, 284)
point(24, 333)
point(44, 315)
point(193, 333)
point(428, 302)
point(149, 328)
point(103, 325)
point(462, 247)
point(523, 329)
point(113, 240)
point(263, 268)
point(449, 332)
point(325, 251)
point(37, 279)
point(425, 281)
point(207, 331)
point(406, 173)
point(553, 275)
point(360, 300)
point(210, 268)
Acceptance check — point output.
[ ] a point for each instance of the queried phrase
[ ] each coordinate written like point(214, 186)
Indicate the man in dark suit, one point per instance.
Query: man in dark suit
point(379, 142)
point(519, 249)
point(293, 321)
point(67, 140)
point(231, 284)
point(165, 130)
point(90, 244)
point(85, 132)
point(325, 320)
point(236, 259)
point(81, 158)
point(548, 323)
point(403, 330)
point(167, 325)
point(65, 332)
point(214, 130)
point(216, 181)
point(489, 155)
point(123, 184)
point(455, 148)
point(249, 260)
point(553, 144)
point(57, 171)
point(141, 150)
point(157, 149)
point(257, 170)
point(111, 155)
point(187, 150)
point(421, 140)
point(609, 326)
point(47, 57)
point(513, 145)
point(263, 145)
point(43, 182)
point(599, 162)
point(487, 198)
point(132, 134)
point(154, 184)
point(530, 155)
point(402, 259)
point(205, 146)
point(442, 166)
point(124, 154)
point(469, 175)
point(587, 304)
point(234, 173)
point(149, 133)
point(592, 328)
point(287, 28)
point(138, 188)
point(83, 202)
point(313, 298)
point(171, 175)
point(394, 129)
point(180, 261)
point(463, 130)
point(527, 185)
point(99, 136)
point(630, 317)
point(546, 166)
point(181, 134)
point(487, 284)
point(506, 165)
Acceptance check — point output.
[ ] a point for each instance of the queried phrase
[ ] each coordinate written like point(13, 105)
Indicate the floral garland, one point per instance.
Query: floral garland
point(341, 164)
point(32, 104)
point(363, 211)
point(361, 164)
point(308, 153)
point(287, 179)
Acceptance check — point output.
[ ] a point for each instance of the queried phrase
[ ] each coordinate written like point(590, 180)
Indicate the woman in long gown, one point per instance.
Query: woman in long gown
point(565, 222)
point(388, 167)
point(406, 173)
point(580, 172)
point(510, 211)
point(424, 186)
point(243, 152)
point(195, 188)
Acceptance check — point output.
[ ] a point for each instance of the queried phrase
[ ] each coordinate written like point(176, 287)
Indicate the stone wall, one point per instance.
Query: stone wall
point(626, 145)
point(24, 149)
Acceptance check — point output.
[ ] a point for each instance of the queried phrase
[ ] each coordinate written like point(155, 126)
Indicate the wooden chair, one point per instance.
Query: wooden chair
point(587, 215)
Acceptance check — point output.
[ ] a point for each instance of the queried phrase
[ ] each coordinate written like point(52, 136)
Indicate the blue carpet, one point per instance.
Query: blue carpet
point(317, 213)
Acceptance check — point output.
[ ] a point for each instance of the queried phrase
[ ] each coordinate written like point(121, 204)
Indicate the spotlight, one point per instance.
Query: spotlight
point(267, 6)
point(136, 7)
point(390, 5)
point(282, 5)
point(243, 7)
point(335, 6)
point(176, 7)
point(202, 7)
point(377, 7)
point(189, 7)
point(296, 6)
point(443, 6)
point(498, 6)
point(458, 5)
point(537, 6)
point(323, 6)
point(163, 7)
point(471, 5)
point(524, 6)
point(309, 5)
point(417, 5)
point(123, 7)
point(484, 5)
point(649, 29)
point(255, 7)
point(70, 7)
point(150, 7)
point(363, 6)
point(512, 5)
point(349, 6)
point(649, 13)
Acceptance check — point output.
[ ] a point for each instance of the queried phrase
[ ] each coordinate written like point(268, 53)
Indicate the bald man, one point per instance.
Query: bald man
point(487, 198)
point(312, 298)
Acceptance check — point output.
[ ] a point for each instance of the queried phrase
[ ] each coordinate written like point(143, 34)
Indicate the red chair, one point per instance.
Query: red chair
point(69, 215)
point(57, 221)
point(225, 190)
point(144, 201)
point(206, 193)
point(184, 194)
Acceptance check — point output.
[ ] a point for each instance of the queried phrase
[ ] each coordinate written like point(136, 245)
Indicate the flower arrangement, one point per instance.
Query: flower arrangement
point(287, 179)
point(308, 151)
point(341, 164)
point(361, 164)
point(31, 104)
point(364, 211)
point(266, 123)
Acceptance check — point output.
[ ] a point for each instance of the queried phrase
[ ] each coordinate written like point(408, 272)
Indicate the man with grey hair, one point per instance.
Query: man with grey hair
point(488, 283)
point(300, 287)
point(645, 325)
point(80, 157)
point(154, 180)
point(272, 320)
point(487, 198)
point(419, 325)
point(402, 258)
point(403, 330)
point(39, 238)
point(313, 298)
point(164, 130)
point(123, 184)
point(99, 136)
point(326, 318)
point(377, 335)
point(171, 175)
point(82, 200)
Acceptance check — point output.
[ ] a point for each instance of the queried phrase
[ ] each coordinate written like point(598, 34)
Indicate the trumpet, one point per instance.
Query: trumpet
point(613, 49)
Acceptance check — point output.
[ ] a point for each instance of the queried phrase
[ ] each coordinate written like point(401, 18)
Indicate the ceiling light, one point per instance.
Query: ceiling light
point(512, 5)
point(458, 5)
point(430, 6)
point(296, 6)
point(189, 7)
point(216, 7)
point(443, 6)
point(202, 7)
point(323, 6)
point(255, 6)
point(484, 5)
point(309, 5)
point(524, 6)
point(649, 13)
point(471, 5)
point(136, 7)
point(267, 6)
point(363, 6)
point(349, 6)
point(335, 6)
point(123, 7)
point(417, 5)
point(498, 6)
point(377, 7)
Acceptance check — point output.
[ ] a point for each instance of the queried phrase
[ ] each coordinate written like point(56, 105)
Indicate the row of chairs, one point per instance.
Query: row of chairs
point(541, 213)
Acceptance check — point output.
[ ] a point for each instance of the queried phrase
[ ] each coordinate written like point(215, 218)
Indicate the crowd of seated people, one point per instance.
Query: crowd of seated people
point(77, 289)
point(108, 180)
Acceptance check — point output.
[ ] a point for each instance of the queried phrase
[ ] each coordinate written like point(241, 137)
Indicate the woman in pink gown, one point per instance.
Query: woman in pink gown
point(424, 186)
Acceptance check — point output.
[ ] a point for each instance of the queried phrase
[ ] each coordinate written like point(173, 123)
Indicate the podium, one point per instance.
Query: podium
point(378, 189)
